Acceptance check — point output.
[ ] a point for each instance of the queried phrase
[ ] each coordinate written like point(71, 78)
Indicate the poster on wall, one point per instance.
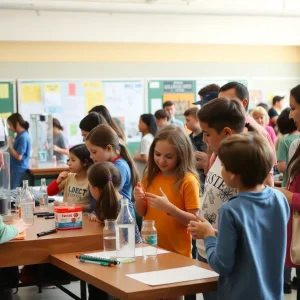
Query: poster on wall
point(255, 97)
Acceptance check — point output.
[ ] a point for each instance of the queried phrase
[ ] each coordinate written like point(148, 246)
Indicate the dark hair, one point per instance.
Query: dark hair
point(149, 120)
point(102, 110)
point(102, 136)
point(191, 112)
point(293, 167)
point(91, 121)
point(82, 153)
point(161, 114)
point(263, 105)
point(209, 88)
point(223, 112)
point(57, 124)
point(168, 103)
point(106, 177)
point(276, 99)
point(247, 155)
point(284, 123)
point(17, 118)
point(186, 158)
point(241, 90)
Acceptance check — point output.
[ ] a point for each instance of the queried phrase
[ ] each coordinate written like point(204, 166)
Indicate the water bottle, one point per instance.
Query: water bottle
point(43, 195)
point(17, 200)
point(109, 238)
point(149, 236)
point(125, 234)
point(27, 204)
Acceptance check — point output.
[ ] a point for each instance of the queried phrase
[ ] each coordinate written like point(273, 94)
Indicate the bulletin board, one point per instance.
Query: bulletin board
point(7, 98)
point(70, 100)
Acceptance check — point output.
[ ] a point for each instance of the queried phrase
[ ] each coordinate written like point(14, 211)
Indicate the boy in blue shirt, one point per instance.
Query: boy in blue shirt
point(249, 251)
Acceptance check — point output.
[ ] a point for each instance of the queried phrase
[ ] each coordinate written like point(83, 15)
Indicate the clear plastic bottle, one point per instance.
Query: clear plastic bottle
point(125, 234)
point(109, 237)
point(149, 236)
point(17, 200)
point(27, 204)
point(43, 195)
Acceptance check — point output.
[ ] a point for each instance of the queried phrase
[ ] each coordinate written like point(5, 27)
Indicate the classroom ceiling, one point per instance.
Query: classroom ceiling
point(280, 8)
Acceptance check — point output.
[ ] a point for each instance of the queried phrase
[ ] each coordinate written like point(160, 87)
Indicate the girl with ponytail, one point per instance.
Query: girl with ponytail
point(20, 149)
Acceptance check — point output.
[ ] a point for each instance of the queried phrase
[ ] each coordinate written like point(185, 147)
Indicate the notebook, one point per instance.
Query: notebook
point(20, 236)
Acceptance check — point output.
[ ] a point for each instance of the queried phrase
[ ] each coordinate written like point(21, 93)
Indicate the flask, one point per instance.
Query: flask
point(125, 233)
point(149, 236)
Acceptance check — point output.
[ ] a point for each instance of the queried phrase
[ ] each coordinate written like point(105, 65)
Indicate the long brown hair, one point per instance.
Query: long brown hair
point(106, 177)
point(17, 118)
point(293, 167)
point(186, 158)
point(102, 136)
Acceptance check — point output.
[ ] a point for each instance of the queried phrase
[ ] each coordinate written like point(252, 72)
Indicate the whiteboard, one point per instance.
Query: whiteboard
point(69, 100)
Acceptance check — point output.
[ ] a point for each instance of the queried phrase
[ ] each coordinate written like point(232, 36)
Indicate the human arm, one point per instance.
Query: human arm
point(141, 154)
point(9, 232)
point(292, 198)
point(282, 156)
point(19, 151)
point(140, 202)
point(140, 157)
point(201, 159)
point(281, 166)
point(56, 186)
point(220, 251)
point(64, 151)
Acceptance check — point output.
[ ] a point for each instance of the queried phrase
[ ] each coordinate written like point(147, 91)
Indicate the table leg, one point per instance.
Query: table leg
point(83, 290)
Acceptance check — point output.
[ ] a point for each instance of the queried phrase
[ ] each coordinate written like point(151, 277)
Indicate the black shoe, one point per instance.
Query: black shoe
point(294, 283)
point(287, 288)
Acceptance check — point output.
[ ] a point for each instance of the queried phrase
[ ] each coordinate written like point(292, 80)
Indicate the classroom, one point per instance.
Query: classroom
point(149, 149)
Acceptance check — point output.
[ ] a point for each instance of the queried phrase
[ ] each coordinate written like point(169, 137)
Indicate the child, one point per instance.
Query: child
point(105, 180)
point(104, 145)
point(250, 248)
point(285, 126)
point(260, 115)
point(169, 193)
point(74, 182)
point(147, 127)
point(19, 148)
point(162, 118)
point(219, 119)
point(89, 122)
point(192, 124)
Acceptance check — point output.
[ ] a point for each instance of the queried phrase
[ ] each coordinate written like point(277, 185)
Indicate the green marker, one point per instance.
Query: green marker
point(101, 263)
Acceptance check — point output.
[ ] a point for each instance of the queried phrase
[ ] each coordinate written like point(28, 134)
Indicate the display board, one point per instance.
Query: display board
point(7, 98)
point(70, 100)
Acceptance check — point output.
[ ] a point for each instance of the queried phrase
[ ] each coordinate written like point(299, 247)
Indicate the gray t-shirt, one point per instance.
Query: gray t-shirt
point(60, 141)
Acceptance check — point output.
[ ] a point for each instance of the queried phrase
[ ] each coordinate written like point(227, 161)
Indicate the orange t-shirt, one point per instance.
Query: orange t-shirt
point(171, 234)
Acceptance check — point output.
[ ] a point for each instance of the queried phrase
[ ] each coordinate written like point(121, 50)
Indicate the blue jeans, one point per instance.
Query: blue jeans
point(16, 177)
point(210, 295)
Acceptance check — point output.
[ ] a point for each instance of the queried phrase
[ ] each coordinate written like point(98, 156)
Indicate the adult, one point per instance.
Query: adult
point(169, 106)
point(102, 110)
point(275, 110)
point(206, 98)
point(60, 143)
point(20, 149)
point(207, 89)
point(89, 122)
point(237, 90)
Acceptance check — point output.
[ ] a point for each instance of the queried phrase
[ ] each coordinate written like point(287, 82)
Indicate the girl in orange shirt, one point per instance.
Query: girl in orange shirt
point(169, 192)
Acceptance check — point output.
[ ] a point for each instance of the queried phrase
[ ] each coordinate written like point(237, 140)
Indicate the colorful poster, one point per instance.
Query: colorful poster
point(52, 88)
point(178, 86)
point(73, 129)
point(182, 102)
point(93, 98)
point(92, 85)
point(255, 97)
point(72, 89)
point(31, 93)
point(4, 91)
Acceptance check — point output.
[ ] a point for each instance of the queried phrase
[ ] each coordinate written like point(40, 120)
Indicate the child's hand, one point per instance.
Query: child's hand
point(200, 229)
point(93, 217)
point(138, 192)
point(62, 176)
point(20, 225)
point(158, 202)
point(201, 156)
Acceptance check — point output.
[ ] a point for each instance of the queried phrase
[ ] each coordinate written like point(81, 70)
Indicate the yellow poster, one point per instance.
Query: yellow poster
point(92, 84)
point(52, 88)
point(182, 102)
point(93, 98)
point(5, 115)
point(31, 93)
point(4, 91)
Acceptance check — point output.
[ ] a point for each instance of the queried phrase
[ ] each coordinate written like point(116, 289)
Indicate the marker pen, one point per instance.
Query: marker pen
point(43, 233)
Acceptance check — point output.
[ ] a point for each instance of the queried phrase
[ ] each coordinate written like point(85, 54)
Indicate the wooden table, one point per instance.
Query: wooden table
point(49, 171)
point(34, 250)
point(113, 279)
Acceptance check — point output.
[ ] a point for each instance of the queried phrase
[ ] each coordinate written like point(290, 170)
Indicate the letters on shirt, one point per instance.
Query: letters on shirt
point(76, 192)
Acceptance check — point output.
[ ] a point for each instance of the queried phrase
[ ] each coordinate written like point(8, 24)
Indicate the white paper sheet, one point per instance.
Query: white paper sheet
point(138, 253)
point(173, 275)
point(154, 85)
point(156, 104)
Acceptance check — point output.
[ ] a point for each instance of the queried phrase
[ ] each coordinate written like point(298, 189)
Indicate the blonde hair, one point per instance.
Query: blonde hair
point(261, 110)
point(186, 158)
